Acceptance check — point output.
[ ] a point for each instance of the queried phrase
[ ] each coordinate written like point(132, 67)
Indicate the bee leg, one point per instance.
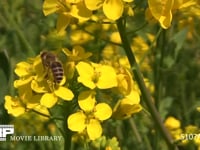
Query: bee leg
point(46, 76)
point(46, 73)
point(50, 84)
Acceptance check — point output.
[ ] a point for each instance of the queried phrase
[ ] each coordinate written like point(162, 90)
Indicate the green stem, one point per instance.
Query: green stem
point(135, 131)
point(67, 135)
point(11, 76)
point(145, 93)
point(159, 55)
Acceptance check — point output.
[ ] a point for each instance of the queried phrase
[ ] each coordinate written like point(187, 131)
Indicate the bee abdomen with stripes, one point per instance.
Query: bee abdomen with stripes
point(57, 71)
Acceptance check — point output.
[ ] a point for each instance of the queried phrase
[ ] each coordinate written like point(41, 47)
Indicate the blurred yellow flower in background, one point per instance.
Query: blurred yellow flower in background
point(174, 127)
point(172, 123)
point(68, 11)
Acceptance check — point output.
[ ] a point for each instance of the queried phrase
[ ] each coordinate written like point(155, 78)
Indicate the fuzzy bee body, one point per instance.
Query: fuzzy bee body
point(51, 62)
point(57, 71)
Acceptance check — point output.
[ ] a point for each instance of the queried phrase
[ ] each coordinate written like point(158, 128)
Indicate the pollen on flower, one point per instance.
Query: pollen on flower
point(89, 117)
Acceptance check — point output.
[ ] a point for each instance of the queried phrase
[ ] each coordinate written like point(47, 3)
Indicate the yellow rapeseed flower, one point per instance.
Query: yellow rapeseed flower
point(35, 88)
point(89, 118)
point(127, 106)
point(46, 87)
point(49, 99)
point(174, 127)
point(77, 54)
point(113, 9)
point(96, 75)
point(163, 10)
point(125, 82)
point(68, 11)
point(14, 106)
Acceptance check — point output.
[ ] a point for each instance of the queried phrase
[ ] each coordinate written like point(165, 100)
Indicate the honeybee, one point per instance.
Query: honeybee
point(52, 63)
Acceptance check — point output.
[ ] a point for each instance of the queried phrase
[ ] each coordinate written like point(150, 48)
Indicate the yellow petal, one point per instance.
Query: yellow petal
point(132, 98)
point(25, 93)
point(86, 73)
point(80, 11)
point(113, 9)
point(85, 70)
point(38, 66)
point(94, 129)
point(64, 93)
point(156, 7)
point(48, 100)
point(74, 1)
point(161, 10)
point(86, 100)
point(125, 110)
point(125, 82)
point(165, 21)
point(14, 106)
point(128, 1)
point(42, 109)
point(38, 87)
point(39, 69)
point(93, 4)
point(87, 82)
point(23, 69)
point(34, 101)
point(50, 6)
point(115, 37)
point(76, 122)
point(62, 82)
point(102, 111)
point(22, 82)
point(62, 22)
point(108, 77)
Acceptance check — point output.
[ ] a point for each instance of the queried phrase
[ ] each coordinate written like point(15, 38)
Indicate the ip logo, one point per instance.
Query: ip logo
point(5, 130)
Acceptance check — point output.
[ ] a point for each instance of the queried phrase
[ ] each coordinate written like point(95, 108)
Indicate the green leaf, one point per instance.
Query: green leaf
point(165, 104)
point(179, 39)
point(169, 61)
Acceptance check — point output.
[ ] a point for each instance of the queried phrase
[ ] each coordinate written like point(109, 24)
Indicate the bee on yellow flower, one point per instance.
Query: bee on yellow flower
point(34, 88)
